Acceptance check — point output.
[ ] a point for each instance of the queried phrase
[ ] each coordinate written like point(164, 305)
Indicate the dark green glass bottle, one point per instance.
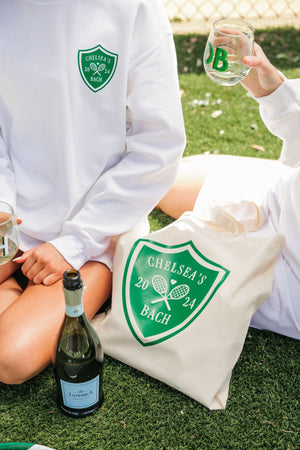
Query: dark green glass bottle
point(78, 364)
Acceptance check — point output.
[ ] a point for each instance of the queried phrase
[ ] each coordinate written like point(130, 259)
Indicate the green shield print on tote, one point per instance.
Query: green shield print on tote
point(165, 288)
point(97, 67)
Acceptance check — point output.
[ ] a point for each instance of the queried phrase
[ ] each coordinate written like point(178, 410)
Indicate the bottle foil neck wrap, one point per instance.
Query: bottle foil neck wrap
point(73, 302)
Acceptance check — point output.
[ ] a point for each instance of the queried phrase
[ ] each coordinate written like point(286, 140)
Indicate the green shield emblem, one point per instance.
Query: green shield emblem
point(165, 288)
point(97, 67)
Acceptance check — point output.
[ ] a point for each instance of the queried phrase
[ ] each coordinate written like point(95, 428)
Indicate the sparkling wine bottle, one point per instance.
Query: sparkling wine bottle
point(78, 364)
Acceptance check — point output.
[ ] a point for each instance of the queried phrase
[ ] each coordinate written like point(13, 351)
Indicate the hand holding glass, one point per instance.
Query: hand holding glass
point(9, 235)
point(228, 42)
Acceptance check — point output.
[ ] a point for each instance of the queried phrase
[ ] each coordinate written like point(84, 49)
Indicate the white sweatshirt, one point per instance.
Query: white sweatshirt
point(91, 128)
point(275, 187)
point(281, 113)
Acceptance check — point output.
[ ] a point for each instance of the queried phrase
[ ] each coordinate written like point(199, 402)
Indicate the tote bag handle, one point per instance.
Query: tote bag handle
point(236, 218)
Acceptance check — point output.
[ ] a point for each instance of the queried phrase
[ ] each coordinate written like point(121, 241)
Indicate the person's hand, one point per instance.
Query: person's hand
point(43, 264)
point(263, 78)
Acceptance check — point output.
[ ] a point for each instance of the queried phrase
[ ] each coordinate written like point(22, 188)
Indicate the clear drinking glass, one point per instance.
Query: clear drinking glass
point(9, 235)
point(228, 42)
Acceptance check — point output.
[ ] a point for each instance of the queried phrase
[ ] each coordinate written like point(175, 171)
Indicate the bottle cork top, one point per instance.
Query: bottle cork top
point(72, 280)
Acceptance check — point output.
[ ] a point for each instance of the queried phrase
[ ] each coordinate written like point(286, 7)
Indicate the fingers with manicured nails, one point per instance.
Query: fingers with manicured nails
point(43, 264)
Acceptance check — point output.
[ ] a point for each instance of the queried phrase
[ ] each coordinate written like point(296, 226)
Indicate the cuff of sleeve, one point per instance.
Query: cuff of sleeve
point(8, 196)
point(278, 103)
point(76, 254)
point(72, 249)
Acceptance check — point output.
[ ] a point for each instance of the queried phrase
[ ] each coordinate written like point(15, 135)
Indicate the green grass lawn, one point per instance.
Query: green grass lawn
point(139, 412)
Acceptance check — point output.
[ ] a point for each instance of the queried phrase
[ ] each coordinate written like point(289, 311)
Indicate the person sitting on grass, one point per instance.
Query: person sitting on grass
point(91, 134)
point(272, 185)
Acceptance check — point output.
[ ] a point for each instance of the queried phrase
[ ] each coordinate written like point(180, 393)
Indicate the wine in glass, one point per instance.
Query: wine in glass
point(228, 42)
point(9, 236)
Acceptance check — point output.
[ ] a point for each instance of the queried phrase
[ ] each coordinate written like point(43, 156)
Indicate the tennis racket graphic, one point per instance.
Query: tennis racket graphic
point(97, 69)
point(160, 285)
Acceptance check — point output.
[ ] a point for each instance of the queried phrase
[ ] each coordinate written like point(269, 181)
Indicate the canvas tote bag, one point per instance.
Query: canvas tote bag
point(183, 298)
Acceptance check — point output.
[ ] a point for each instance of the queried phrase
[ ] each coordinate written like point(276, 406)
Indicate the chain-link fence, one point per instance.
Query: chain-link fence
point(198, 15)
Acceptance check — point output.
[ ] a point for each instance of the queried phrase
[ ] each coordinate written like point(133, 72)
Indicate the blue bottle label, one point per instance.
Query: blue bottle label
point(80, 395)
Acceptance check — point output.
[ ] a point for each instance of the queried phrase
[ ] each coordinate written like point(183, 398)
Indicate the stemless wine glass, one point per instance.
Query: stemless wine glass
point(9, 235)
point(228, 42)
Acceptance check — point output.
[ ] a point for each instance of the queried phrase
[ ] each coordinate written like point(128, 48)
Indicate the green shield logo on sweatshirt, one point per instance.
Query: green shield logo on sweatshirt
point(97, 67)
point(165, 288)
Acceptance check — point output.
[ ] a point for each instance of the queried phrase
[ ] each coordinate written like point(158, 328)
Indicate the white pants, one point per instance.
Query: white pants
point(232, 178)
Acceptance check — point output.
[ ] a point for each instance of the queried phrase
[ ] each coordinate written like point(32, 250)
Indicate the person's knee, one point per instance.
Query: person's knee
point(14, 361)
point(6, 270)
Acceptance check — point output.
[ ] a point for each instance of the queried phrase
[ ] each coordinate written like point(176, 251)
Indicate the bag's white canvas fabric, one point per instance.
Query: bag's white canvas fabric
point(183, 298)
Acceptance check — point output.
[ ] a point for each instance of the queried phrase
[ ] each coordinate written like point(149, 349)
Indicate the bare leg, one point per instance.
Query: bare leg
point(194, 170)
point(9, 288)
point(29, 327)
point(9, 292)
point(183, 194)
point(6, 270)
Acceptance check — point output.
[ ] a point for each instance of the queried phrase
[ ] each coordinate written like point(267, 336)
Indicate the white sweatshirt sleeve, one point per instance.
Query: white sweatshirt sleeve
point(7, 179)
point(281, 113)
point(154, 146)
